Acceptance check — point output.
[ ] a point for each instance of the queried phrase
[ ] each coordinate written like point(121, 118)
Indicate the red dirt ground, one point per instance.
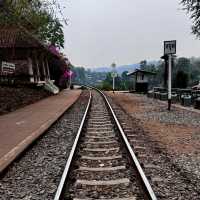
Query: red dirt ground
point(179, 138)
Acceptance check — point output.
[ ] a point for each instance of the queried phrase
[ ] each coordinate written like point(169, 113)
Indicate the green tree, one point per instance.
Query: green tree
point(143, 64)
point(181, 80)
point(194, 71)
point(193, 9)
point(36, 16)
point(148, 67)
point(182, 64)
point(80, 74)
point(52, 32)
point(106, 86)
point(122, 82)
point(181, 69)
point(127, 83)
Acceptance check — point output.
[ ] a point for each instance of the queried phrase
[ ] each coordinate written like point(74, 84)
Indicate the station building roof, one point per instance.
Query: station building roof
point(13, 37)
point(141, 71)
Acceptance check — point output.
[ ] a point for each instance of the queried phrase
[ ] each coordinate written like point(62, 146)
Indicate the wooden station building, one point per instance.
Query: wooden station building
point(34, 62)
point(141, 80)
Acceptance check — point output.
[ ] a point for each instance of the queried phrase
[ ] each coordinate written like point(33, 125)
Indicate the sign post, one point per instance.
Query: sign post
point(113, 84)
point(7, 68)
point(169, 49)
point(113, 74)
point(170, 82)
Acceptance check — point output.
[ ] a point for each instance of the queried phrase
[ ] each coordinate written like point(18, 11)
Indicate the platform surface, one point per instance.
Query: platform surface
point(20, 128)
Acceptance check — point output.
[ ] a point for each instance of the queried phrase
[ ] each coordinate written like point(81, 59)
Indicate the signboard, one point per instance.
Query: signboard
point(113, 74)
point(169, 47)
point(8, 68)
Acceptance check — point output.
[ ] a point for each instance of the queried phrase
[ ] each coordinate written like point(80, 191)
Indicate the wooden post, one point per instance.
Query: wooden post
point(43, 68)
point(30, 69)
point(136, 78)
point(48, 72)
point(37, 68)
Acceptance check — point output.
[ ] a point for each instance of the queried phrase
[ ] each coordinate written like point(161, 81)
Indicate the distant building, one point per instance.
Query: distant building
point(141, 80)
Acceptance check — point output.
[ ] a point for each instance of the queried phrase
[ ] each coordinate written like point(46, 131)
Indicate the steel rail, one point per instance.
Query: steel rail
point(145, 181)
point(69, 161)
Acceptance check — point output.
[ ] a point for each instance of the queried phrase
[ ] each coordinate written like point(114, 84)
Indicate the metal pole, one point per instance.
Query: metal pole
point(170, 82)
point(113, 84)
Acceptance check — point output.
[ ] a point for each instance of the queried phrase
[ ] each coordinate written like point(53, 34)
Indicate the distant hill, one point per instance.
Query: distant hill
point(122, 68)
point(119, 69)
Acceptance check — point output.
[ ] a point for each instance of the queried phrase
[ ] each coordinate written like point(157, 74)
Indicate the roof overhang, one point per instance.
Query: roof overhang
point(141, 71)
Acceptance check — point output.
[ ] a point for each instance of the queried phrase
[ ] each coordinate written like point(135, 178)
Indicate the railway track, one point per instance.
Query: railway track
point(102, 164)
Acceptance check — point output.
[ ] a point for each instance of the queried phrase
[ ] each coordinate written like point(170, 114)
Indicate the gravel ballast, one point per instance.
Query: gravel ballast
point(101, 179)
point(37, 173)
point(171, 144)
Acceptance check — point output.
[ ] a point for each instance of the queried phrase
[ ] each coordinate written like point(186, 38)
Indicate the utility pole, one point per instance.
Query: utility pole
point(113, 84)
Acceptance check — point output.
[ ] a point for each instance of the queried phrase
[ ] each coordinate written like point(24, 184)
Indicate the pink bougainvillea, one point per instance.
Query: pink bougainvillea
point(53, 49)
point(68, 74)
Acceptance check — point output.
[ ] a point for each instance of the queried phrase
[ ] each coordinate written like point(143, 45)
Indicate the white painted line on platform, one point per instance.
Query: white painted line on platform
point(20, 122)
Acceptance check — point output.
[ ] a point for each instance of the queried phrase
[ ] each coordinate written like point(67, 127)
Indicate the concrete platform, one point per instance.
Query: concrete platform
point(21, 127)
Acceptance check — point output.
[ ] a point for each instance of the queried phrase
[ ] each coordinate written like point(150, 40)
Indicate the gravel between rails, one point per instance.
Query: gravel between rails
point(114, 178)
point(37, 173)
point(168, 179)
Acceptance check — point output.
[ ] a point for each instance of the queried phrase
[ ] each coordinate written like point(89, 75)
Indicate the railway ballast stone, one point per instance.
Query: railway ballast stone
point(171, 139)
point(36, 174)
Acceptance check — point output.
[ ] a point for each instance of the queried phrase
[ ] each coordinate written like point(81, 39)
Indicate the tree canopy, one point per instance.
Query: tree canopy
point(36, 16)
point(193, 9)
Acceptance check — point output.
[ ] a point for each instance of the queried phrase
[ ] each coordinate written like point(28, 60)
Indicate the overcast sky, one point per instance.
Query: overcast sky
point(125, 31)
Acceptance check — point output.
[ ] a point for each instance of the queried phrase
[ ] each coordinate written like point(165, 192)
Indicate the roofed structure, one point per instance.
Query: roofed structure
point(141, 79)
point(29, 54)
point(15, 37)
point(142, 72)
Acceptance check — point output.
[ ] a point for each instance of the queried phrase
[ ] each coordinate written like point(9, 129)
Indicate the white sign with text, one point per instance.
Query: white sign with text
point(8, 67)
point(170, 47)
